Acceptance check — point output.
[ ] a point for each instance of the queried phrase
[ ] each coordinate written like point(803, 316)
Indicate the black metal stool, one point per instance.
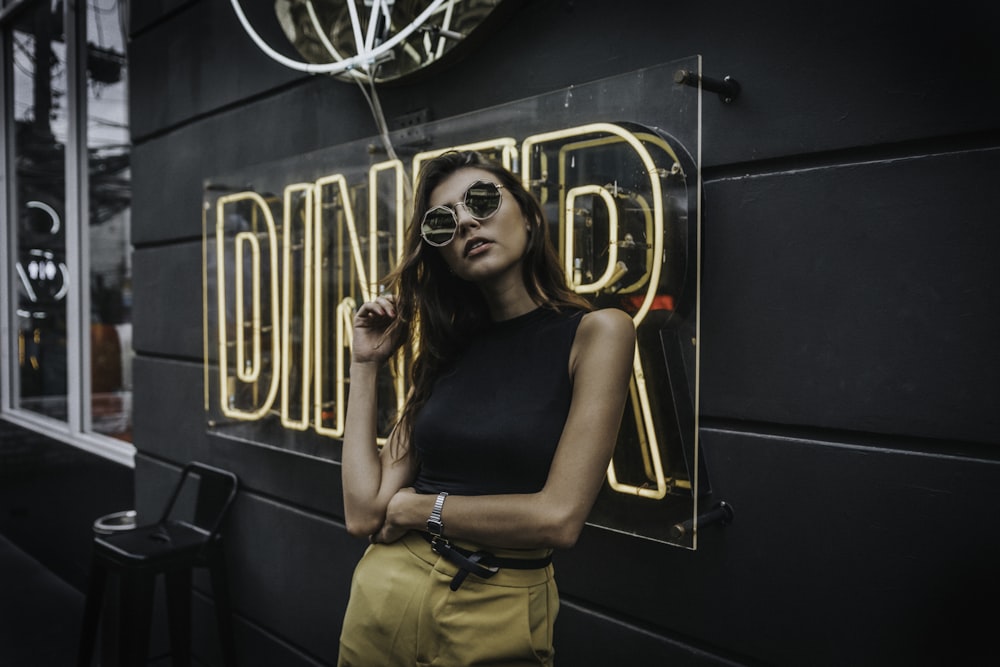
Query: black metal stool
point(173, 547)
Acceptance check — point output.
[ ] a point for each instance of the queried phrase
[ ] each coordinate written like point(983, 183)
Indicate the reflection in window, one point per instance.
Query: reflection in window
point(40, 67)
point(109, 203)
point(39, 76)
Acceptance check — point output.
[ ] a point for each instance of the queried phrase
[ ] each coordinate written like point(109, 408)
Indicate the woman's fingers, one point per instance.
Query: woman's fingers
point(381, 307)
point(371, 322)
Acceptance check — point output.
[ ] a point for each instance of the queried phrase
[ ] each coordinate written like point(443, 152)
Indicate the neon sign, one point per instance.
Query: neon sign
point(288, 259)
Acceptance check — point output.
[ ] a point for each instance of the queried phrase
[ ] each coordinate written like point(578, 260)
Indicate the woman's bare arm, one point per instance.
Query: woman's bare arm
point(601, 365)
point(370, 478)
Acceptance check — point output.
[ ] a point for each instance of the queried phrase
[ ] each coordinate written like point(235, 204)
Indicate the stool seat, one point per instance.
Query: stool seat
point(171, 542)
point(172, 547)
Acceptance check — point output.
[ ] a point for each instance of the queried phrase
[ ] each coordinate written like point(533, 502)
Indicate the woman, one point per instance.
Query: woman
point(503, 443)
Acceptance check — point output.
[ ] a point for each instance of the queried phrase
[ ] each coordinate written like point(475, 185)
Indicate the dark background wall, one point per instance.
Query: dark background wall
point(848, 388)
point(50, 495)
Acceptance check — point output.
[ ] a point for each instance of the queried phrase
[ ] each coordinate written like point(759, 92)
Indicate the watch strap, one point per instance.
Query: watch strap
point(435, 526)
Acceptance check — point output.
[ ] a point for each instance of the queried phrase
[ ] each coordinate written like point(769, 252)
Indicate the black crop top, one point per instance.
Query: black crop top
point(492, 424)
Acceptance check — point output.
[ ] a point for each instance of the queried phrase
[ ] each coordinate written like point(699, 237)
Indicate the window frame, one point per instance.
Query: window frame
point(77, 429)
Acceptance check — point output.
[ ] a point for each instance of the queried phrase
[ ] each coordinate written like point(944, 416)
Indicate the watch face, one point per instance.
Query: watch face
point(434, 527)
point(380, 40)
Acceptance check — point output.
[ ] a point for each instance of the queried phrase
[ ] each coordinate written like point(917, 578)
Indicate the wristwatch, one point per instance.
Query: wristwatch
point(434, 524)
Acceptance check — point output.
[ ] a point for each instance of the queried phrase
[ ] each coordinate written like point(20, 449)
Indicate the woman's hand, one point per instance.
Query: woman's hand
point(371, 323)
point(393, 528)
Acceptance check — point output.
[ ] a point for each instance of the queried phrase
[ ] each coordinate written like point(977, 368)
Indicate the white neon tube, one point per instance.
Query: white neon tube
point(362, 60)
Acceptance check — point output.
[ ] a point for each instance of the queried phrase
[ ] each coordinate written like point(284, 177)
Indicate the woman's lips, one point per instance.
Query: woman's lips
point(475, 247)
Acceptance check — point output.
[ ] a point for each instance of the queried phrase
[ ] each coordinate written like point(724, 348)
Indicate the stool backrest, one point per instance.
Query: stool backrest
point(201, 498)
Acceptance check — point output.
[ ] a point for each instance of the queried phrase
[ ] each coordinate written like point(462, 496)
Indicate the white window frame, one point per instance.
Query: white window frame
point(76, 430)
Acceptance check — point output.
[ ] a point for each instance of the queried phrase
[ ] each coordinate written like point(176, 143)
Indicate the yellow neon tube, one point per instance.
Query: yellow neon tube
point(644, 278)
point(636, 141)
point(227, 393)
point(675, 169)
point(396, 166)
point(340, 183)
point(654, 450)
point(247, 371)
point(646, 138)
point(300, 423)
point(506, 145)
point(204, 306)
point(641, 395)
point(647, 463)
point(610, 270)
point(345, 320)
point(398, 223)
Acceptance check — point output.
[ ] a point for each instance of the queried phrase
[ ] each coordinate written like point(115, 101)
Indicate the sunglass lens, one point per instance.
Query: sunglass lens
point(438, 226)
point(482, 199)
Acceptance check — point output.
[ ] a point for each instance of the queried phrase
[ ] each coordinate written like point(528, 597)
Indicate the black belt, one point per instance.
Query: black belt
point(483, 564)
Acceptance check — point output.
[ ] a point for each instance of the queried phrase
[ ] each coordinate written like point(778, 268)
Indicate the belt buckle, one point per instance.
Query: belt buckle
point(486, 571)
point(443, 547)
point(440, 545)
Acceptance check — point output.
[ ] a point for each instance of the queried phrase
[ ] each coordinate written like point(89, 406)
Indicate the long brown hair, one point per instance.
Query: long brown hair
point(439, 311)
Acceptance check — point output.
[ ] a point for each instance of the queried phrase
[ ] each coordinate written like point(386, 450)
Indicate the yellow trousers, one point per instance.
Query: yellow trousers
point(403, 613)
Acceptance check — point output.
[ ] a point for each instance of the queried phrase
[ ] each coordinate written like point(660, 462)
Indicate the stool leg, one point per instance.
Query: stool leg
point(91, 613)
point(179, 616)
point(135, 611)
point(223, 612)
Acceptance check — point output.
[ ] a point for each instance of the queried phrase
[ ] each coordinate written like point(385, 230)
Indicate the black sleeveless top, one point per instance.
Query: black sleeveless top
point(492, 423)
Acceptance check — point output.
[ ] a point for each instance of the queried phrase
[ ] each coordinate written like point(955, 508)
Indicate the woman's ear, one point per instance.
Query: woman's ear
point(532, 224)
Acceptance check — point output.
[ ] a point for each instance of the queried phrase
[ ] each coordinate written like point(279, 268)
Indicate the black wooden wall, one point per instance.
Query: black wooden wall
point(849, 395)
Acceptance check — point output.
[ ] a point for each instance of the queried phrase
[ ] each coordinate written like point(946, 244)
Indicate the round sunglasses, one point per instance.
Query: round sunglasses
point(482, 200)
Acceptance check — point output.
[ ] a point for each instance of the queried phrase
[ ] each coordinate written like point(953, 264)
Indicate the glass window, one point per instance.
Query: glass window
point(110, 206)
point(66, 327)
point(40, 118)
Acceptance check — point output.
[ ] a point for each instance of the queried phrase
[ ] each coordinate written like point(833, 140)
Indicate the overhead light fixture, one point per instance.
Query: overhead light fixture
point(369, 40)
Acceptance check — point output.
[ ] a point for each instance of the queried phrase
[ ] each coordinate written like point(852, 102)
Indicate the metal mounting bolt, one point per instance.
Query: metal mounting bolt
point(728, 88)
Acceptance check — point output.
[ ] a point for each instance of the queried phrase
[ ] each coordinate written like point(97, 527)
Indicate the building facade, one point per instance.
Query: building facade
point(844, 395)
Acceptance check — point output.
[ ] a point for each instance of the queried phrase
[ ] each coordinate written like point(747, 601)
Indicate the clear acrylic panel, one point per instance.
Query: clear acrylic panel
point(291, 247)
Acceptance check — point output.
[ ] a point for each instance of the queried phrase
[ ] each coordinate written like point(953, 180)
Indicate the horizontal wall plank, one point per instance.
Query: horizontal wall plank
point(294, 572)
point(168, 300)
point(582, 638)
point(168, 400)
point(171, 425)
point(887, 87)
point(306, 481)
point(144, 14)
point(844, 554)
point(860, 297)
point(255, 646)
point(50, 495)
point(890, 547)
point(585, 637)
point(290, 570)
point(846, 297)
point(217, 120)
point(154, 481)
point(182, 66)
point(170, 171)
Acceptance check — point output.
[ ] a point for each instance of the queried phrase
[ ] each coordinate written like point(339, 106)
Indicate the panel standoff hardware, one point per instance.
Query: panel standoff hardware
point(721, 513)
point(728, 89)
